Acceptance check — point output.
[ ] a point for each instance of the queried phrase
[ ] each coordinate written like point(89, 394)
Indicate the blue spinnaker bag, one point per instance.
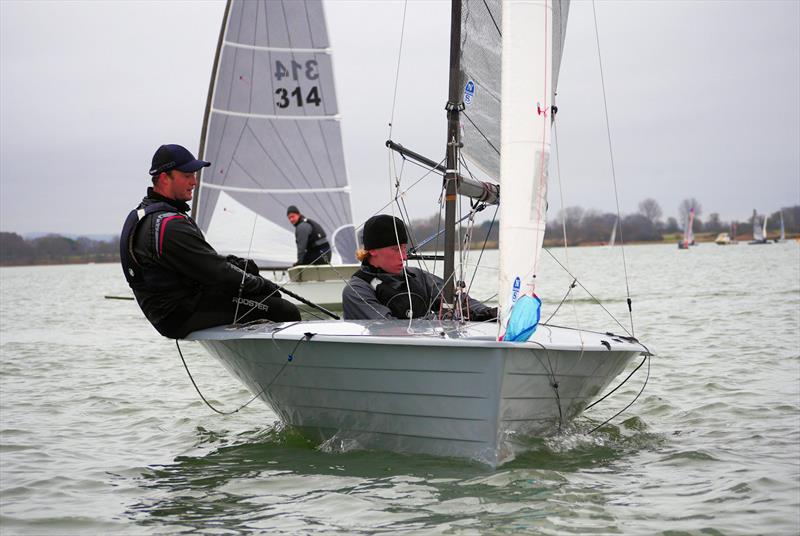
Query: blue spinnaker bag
point(524, 319)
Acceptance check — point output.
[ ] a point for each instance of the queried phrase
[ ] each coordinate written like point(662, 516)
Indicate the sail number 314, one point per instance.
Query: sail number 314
point(287, 96)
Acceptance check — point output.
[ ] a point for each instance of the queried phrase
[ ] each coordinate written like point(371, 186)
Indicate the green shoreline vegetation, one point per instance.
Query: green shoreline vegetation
point(584, 228)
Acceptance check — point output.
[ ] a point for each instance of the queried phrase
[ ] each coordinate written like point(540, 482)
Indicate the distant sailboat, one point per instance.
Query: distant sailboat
point(759, 231)
point(613, 237)
point(688, 234)
point(723, 239)
point(782, 237)
point(727, 239)
point(272, 134)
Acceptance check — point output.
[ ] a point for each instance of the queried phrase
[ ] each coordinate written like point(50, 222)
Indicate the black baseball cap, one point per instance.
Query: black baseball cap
point(169, 157)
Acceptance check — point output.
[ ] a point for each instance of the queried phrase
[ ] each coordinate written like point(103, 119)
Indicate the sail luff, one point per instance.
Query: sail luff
point(525, 145)
point(209, 102)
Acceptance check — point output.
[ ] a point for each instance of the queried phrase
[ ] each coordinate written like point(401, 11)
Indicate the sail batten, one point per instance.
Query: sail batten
point(334, 117)
point(273, 133)
point(345, 189)
point(278, 49)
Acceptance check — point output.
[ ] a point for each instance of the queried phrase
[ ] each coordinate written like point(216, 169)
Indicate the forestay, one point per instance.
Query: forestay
point(272, 134)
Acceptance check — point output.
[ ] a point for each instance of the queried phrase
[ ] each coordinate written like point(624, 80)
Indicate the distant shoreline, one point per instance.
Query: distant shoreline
point(491, 245)
point(58, 262)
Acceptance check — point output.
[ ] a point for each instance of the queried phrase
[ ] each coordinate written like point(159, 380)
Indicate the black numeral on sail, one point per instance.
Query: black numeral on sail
point(285, 98)
point(309, 69)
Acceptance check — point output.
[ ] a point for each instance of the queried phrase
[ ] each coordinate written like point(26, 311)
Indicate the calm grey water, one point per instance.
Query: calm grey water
point(101, 431)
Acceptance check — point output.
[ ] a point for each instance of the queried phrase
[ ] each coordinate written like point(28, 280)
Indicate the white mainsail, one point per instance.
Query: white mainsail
point(272, 134)
point(529, 65)
point(783, 230)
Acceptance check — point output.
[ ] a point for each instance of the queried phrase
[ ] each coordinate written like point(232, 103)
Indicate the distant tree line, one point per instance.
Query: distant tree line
point(55, 249)
point(584, 227)
point(588, 226)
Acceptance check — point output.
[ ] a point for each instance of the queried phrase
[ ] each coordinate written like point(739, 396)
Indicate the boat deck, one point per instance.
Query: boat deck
point(423, 333)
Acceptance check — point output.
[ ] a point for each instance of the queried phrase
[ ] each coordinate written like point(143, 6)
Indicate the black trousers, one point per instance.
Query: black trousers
point(317, 255)
point(219, 309)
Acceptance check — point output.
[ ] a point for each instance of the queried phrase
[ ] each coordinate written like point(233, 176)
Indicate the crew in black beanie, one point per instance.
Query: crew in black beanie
point(379, 232)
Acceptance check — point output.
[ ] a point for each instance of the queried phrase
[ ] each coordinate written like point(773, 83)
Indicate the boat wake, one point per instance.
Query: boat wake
point(573, 447)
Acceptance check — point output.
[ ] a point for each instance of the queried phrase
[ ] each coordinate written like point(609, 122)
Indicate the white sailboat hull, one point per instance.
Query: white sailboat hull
point(320, 284)
point(328, 294)
point(437, 391)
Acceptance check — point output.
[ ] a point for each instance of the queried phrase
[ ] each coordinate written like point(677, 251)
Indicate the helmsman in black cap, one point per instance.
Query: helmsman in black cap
point(180, 282)
point(384, 287)
point(312, 243)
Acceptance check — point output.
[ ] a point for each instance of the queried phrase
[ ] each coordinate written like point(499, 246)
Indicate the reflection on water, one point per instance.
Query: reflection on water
point(273, 479)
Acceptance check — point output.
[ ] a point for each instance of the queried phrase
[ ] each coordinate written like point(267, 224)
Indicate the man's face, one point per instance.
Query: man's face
point(293, 217)
point(389, 259)
point(177, 185)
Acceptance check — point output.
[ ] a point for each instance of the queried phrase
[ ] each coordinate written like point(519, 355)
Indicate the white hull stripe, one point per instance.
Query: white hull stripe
point(334, 117)
point(278, 49)
point(343, 189)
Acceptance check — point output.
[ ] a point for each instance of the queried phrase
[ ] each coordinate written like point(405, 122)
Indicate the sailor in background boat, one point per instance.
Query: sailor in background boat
point(312, 243)
point(378, 290)
point(180, 282)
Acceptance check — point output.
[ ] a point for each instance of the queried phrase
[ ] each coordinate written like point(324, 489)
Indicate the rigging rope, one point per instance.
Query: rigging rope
point(306, 337)
point(613, 170)
point(647, 377)
point(564, 230)
point(397, 71)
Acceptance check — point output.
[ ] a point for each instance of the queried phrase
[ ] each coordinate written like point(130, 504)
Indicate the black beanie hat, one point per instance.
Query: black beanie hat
point(379, 232)
point(292, 209)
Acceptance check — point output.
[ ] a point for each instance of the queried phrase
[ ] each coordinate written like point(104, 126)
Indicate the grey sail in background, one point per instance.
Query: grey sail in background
point(272, 135)
point(481, 23)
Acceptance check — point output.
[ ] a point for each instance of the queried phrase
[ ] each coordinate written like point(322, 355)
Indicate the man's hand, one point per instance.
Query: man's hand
point(243, 264)
point(272, 289)
point(487, 315)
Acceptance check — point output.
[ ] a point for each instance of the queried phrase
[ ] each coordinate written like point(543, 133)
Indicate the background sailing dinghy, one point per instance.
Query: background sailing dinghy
point(688, 232)
point(759, 230)
point(447, 387)
point(271, 131)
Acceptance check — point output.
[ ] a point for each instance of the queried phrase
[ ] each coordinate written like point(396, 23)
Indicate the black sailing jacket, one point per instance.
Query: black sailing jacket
point(177, 265)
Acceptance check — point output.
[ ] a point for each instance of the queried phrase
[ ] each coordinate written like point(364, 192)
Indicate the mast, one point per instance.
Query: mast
point(454, 106)
point(202, 149)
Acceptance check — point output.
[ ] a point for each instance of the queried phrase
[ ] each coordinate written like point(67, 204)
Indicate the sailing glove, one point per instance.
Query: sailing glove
point(243, 264)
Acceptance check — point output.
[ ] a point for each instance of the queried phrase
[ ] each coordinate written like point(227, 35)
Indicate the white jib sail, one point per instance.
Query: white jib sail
point(272, 135)
point(525, 145)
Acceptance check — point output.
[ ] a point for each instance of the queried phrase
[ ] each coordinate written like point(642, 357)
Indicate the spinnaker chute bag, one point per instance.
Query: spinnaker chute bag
point(524, 318)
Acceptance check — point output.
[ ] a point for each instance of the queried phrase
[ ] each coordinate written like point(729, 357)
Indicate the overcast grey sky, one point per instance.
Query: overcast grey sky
point(703, 101)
